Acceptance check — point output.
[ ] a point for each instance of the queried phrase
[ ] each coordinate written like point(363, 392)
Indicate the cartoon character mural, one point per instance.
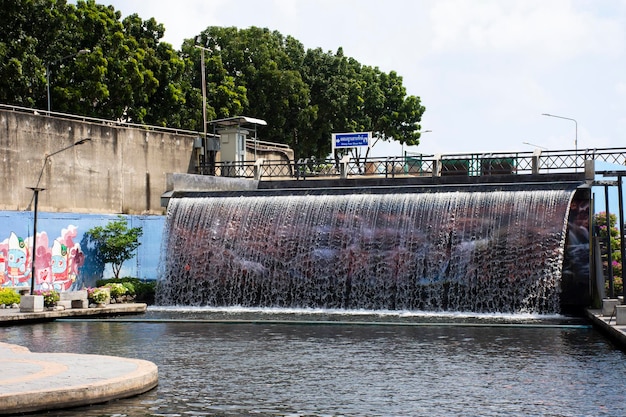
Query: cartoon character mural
point(15, 255)
point(56, 267)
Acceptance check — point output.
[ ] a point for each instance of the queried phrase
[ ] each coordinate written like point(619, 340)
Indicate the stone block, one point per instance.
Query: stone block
point(31, 303)
point(608, 306)
point(83, 303)
point(620, 315)
point(73, 295)
point(74, 299)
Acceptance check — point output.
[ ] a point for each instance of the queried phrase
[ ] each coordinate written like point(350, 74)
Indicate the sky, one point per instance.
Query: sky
point(486, 70)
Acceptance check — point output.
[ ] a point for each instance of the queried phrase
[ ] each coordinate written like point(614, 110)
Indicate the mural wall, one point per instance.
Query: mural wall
point(63, 258)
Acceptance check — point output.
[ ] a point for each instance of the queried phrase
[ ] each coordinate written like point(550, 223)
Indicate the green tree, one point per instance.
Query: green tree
point(128, 74)
point(115, 243)
point(131, 75)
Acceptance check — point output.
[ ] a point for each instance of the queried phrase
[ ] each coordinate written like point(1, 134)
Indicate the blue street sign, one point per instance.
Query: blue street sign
point(351, 140)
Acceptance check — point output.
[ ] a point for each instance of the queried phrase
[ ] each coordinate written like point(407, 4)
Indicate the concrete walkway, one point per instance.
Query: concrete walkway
point(44, 381)
point(607, 325)
point(13, 316)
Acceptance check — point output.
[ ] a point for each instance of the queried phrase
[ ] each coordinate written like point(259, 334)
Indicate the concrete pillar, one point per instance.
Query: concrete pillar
point(590, 170)
point(258, 169)
point(535, 163)
point(343, 167)
point(620, 315)
point(437, 166)
point(31, 303)
point(608, 306)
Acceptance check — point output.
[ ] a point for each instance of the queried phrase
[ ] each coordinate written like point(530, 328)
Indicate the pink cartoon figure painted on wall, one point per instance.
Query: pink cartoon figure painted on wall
point(59, 266)
point(56, 268)
point(17, 270)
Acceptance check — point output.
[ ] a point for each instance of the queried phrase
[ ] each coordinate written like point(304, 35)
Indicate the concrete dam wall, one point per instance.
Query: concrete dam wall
point(122, 169)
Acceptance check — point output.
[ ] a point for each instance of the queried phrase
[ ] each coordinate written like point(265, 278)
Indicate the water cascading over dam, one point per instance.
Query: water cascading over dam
point(491, 250)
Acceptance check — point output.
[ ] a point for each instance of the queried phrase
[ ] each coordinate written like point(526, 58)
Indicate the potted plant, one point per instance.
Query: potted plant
point(117, 291)
point(50, 298)
point(99, 296)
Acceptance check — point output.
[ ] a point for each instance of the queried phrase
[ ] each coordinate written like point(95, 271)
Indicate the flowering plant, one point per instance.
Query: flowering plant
point(50, 297)
point(117, 290)
point(98, 295)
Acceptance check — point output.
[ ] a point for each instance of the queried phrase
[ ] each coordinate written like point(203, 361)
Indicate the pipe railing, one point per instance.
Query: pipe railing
point(415, 164)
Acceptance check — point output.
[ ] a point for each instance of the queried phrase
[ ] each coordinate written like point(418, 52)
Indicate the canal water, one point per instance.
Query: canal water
point(228, 362)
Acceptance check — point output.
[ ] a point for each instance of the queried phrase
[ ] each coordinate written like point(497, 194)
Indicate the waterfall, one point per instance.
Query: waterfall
point(479, 251)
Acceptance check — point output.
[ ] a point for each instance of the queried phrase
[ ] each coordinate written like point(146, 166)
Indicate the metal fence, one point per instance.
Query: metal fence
point(415, 164)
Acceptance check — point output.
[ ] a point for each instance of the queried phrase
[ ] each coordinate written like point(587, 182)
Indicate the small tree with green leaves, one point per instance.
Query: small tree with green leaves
point(115, 243)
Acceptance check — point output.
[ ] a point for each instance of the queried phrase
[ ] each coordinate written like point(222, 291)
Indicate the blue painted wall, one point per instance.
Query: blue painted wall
point(144, 265)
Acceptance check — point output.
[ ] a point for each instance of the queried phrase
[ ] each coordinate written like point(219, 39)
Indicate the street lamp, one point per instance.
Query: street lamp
point(536, 146)
point(81, 52)
point(575, 123)
point(36, 189)
point(215, 47)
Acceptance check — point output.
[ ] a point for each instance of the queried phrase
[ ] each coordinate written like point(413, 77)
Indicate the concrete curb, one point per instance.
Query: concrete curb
point(615, 332)
point(46, 381)
point(12, 316)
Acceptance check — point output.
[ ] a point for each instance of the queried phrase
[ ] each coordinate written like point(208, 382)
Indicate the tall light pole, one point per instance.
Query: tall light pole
point(203, 71)
point(422, 132)
point(211, 153)
point(36, 189)
point(81, 52)
point(575, 123)
point(536, 146)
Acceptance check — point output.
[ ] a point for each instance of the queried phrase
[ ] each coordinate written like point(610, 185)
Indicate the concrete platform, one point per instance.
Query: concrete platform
point(45, 381)
point(13, 316)
point(607, 324)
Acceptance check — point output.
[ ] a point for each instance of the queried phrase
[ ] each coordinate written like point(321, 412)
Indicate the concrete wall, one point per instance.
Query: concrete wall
point(82, 267)
point(121, 170)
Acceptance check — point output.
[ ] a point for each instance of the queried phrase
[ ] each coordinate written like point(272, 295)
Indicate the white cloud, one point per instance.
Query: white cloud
point(554, 30)
point(485, 69)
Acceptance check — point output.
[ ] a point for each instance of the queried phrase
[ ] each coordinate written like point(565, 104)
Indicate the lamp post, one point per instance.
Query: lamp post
point(211, 153)
point(543, 148)
point(203, 72)
point(576, 133)
point(36, 189)
point(81, 52)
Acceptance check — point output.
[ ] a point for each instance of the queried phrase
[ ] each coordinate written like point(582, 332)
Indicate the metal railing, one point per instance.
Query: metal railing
point(107, 122)
point(416, 165)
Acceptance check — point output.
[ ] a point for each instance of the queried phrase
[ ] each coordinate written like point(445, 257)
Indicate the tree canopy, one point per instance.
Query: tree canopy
point(115, 243)
point(129, 74)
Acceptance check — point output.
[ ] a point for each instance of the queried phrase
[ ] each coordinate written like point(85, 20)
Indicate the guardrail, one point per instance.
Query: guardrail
point(414, 164)
point(107, 122)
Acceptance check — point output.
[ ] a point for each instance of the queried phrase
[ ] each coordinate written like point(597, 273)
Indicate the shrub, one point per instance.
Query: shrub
point(143, 290)
point(130, 288)
point(50, 297)
point(117, 289)
point(8, 296)
point(98, 295)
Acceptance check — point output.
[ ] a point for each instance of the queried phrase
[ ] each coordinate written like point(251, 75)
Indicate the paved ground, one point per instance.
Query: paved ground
point(607, 325)
point(13, 316)
point(44, 381)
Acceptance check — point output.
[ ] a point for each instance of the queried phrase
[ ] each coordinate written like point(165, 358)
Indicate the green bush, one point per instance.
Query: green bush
point(143, 290)
point(8, 296)
point(130, 288)
point(117, 289)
